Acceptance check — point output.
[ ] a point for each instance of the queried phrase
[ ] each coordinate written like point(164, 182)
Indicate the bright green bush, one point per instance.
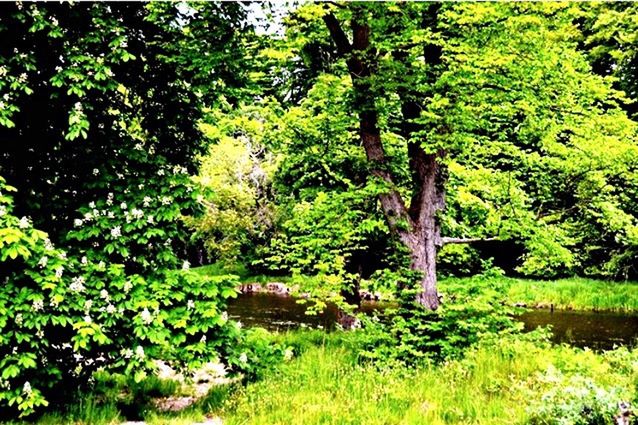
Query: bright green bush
point(63, 317)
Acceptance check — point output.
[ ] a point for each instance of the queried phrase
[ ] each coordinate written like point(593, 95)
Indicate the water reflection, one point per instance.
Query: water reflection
point(582, 329)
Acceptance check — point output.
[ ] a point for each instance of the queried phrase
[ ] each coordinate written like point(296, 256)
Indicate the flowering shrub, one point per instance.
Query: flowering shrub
point(577, 401)
point(62, 317)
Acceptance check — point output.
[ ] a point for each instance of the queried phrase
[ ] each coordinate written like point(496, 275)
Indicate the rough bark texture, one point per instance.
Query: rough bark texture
point(417, 227)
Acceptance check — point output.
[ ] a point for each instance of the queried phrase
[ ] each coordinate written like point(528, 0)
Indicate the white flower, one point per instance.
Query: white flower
point(224, 316)
point(109, 199)
point(78, 222)
point(127, 353)
point(26, 388)
point(110, 214)
point(137, 213)
point(146, 316)
point(3, 210)
point(84, 260)
point(48, 246)
point(101, 265)
point(104, 294)
point(139, 352)
point(149, 219)
point(3, 71)
point(128, 286)
point(88, 216)
point(139, 147)
point(23, 77)
point(166, 200)
point(116, 232)
point(58, 271)
point(190, 305)
point(92, 204)
point(203, 339)
point(160, 172)
point(95, 170)
point(186, 265)
point(110, 309)
point(288, 354)
point(88, 304)
point(147, 201)
point(37, 305)
point(24, 223)
point(19, 319)
point(77, 284)
point(239, 324)
point(243, 358)
point(88, 319)
point(54, 21)
point(123, 205)
point(40, 334)
point(43, 262)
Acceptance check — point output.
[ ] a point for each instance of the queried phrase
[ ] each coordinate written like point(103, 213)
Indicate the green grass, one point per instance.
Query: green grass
point(494, 384)
point(575, 294)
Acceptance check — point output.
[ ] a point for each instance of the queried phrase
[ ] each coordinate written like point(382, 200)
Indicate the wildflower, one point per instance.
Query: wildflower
point(146, 316)
point(203, 339)
point(239, 324)
point(139, 147)
point(127, 353)
point(110, 309)
point(190, 305)
point(288, 354)
point(139, 352)
point(43, 262)
point(224, 317)
point(88, 319)
point(88, 216)
point(84, 260)
point(109, 199)
point(101, 265)
point(104, 294)
point(123, 205)
point(58, 271)
point(160, 172)
point(186, 265)
point(40, 334)
point(54, 302)
point(3, 71)
point(243, 358)
point(88, 304)
point(3, 210)
point(26, 388)
point(78, 222)
point(24, 223)
point(19, 320)
point(166, 200)
point(54, 22)
point(150, 219)
point(116, 232)
point(95, 170)
point(23, 77)
point(48, 246)
point(92, 204)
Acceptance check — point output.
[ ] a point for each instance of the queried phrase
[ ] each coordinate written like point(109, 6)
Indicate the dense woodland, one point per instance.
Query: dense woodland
point(424, 152)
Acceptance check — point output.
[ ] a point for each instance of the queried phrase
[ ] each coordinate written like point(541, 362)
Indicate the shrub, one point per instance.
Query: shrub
point(63, 317)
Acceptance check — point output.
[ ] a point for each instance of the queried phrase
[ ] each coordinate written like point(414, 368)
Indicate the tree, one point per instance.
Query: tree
point(491, 93)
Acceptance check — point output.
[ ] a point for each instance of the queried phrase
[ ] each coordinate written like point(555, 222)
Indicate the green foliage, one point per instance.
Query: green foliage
point(62, 318)
point(473, 310)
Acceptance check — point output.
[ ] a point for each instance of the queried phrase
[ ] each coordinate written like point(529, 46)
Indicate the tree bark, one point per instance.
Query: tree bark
point(417, 228)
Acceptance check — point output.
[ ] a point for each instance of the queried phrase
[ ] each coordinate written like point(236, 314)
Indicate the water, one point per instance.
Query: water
point(581, 329)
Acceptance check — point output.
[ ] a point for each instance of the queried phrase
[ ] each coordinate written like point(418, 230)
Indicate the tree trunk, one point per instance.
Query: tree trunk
point(417, 228)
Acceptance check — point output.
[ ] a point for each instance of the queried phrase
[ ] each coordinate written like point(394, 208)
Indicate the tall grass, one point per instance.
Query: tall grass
point(576, 294)
point(493, 384)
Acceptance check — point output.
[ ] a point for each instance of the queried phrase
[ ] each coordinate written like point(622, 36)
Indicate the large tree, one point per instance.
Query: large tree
point(499, 112)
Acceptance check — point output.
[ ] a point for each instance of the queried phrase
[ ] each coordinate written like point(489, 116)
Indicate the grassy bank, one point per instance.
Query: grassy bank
point(498, 383)
point(566, 294)
point(575, 293)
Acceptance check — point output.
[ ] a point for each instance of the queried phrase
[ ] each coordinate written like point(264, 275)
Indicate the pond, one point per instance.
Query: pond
point(583, 329)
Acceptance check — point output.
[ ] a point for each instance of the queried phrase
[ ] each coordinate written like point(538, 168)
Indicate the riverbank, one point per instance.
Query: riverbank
point(512, 380)
point(561, 294)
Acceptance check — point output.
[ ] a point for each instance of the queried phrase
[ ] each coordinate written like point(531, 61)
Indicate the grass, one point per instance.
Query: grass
point(494, 384)
point(575, 294)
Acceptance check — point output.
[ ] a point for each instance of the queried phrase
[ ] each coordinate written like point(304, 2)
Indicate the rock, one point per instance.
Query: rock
point(277, 287)
point(250, 288)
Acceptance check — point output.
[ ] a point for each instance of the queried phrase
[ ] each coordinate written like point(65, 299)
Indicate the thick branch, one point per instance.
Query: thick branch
point(338, 36)
point(466, 240)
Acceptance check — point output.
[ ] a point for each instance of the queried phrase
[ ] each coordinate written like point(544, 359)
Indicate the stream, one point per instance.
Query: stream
point(600, 331)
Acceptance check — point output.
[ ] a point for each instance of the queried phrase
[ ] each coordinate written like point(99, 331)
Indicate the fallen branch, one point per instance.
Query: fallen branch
point(466, 240)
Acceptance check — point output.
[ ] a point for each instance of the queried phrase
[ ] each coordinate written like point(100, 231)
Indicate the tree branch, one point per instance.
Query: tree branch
point(467, 240)
point(337, 34)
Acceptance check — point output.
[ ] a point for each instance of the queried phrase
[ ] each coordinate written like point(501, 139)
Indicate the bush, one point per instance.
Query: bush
point(64, 317)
